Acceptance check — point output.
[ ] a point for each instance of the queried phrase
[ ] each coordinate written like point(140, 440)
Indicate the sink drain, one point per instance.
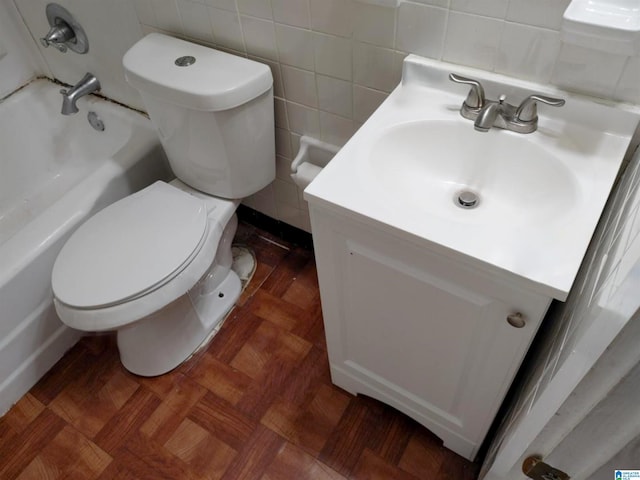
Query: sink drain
point(466, 199)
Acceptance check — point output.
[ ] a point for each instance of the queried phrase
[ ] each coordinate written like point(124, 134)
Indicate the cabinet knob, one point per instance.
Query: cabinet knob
point(516, 320)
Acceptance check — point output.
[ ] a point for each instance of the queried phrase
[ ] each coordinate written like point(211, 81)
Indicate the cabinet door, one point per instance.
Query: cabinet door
point(421, 333)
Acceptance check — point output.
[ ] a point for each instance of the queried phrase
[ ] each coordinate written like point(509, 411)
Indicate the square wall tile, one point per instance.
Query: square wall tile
point(292, 12)
point(541, 13)
point(283, 169)
point(335, 130)
point(437, 3)
point(195, 20)
point(256, 8)
point(333, 56)
point(280, 113)
point(226, 28)
point(376, 67)
point(374, 24)
point(145, 11)
point(487, 8)
point(283, 142)
point(259, 37)
point(300, 86)
point(332, 16)
point(285, 192)
point(295, 46)
point(366, 101)
point(297, 217)
point(421, 29)
point(528, 52)
point(167, 16)
point(472, 40)
point(303, 120)
point(224, 4)
point(335, 95)
point(588, 71)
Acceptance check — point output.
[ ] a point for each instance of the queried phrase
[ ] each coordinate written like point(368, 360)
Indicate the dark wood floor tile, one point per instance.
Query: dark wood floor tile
point(146, 459)
point(129, 419)
point(397, 437)
point(225, 381)
point(55, 380)
point(28, 444)
point(116, 471)
point(235, 332)
point(372, 467)
point(91, 411)
point(257, 350)
point(307, 377)
point(293, 463)
point(68, 455)
point(23, 413)
point(363, 425)
point(301, 295)
point(454, 467)
point(322, 416)
point(223, 421)
point(289, 352)
point(424, 454)
point(283, 314)
point(279, 282)
point(256, 455)
point(205, 454)
point(311, 328)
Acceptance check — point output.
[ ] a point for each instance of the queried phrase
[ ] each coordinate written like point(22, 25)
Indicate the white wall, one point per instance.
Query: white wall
point(19, 59)
point(335, 61)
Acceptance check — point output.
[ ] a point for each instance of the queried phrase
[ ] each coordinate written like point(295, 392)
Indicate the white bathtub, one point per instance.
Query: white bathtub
point(55, 172)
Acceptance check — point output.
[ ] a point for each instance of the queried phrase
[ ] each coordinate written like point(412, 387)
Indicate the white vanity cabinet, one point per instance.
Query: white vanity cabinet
point(422, 332)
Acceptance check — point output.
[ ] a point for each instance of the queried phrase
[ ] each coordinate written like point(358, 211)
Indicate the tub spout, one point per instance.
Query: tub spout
point(87, 85)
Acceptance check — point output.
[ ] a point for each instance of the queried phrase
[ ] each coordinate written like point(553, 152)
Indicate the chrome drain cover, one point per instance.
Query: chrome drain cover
point(466, 199)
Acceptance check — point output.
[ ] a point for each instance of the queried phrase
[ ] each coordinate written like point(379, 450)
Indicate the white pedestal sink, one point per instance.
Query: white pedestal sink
point(429, 306)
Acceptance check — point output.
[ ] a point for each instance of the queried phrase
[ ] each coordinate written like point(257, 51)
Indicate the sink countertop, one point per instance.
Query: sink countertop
point(539, 247)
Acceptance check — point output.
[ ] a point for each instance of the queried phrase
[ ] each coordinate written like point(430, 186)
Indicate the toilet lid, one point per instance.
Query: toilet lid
point(130, 247)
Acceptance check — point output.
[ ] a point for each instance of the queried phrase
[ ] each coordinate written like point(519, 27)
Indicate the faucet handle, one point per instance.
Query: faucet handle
point(475, 98)
point(59, 34)
point(528, 110)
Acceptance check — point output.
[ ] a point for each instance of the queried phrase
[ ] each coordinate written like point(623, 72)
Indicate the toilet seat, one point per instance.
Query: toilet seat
point(171, 237)
point(130, 248)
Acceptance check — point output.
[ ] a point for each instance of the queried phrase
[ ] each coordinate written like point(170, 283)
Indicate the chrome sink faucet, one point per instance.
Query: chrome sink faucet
point(500, 114)
point(87, 85)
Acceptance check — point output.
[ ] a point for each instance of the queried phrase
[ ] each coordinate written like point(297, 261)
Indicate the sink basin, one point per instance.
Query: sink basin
point(538, 196)
point(429, 164)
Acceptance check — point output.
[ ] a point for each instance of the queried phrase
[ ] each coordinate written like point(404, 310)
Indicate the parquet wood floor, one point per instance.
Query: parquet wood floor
point(257, 403)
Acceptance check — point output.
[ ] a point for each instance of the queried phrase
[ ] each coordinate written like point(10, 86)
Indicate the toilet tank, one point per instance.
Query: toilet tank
point(213, 112)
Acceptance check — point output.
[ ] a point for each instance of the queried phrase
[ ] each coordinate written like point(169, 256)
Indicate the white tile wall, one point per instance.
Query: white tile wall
point(334, 61)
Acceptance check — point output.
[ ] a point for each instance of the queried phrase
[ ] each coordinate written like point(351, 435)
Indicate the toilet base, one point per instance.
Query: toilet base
point(163, 340)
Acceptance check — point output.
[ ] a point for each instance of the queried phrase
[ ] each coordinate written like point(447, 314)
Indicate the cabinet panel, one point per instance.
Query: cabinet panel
point(420, 332)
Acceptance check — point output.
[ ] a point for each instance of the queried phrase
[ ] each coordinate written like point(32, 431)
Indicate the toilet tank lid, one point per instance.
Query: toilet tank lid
point(214, 81)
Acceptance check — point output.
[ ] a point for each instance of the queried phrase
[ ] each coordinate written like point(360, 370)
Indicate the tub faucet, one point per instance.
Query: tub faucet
point(87, 85)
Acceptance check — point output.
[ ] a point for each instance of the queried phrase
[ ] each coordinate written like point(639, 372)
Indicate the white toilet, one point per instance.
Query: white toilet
point(156, 266)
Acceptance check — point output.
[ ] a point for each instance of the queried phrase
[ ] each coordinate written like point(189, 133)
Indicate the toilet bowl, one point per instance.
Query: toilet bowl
point(156, 266)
